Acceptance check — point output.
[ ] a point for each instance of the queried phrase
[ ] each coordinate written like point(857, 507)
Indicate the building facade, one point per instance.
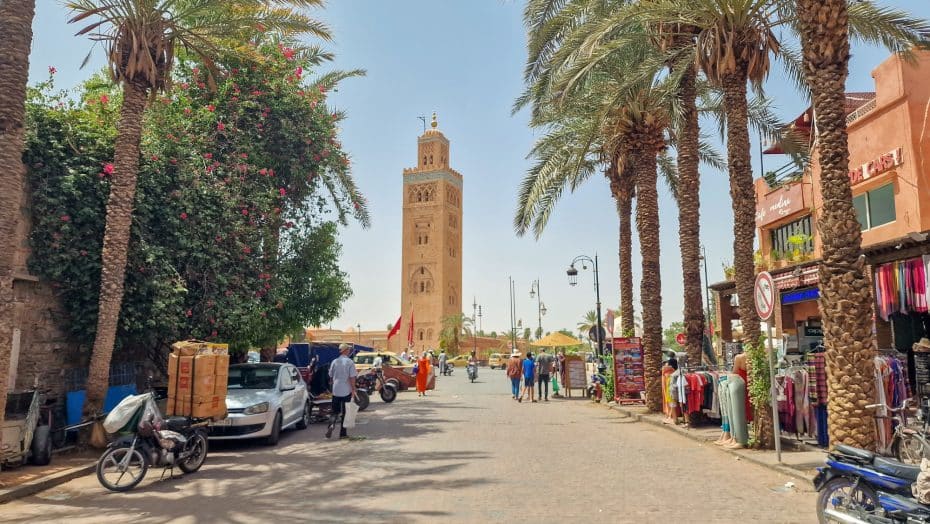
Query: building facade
point(889, 159)
point(431, 244)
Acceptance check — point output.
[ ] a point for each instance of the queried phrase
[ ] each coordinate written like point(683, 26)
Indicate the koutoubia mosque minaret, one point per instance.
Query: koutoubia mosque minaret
point(431, 264)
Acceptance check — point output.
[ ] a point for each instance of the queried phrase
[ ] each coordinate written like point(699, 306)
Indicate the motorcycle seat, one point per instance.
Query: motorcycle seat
point(177, 423)
point(856, 453)
point(896, 469)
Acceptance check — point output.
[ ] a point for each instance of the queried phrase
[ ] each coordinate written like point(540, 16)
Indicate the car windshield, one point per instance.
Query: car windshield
point(253, 377)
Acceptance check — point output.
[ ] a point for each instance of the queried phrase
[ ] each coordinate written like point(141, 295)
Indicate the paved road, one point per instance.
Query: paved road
point(467, 453)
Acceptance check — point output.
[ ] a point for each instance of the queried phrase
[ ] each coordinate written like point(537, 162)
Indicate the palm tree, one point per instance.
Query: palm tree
point(142, 38)
point(845, 293)
point(454, 327)
point(587, 322)
point(15, 40)
point(623, 189)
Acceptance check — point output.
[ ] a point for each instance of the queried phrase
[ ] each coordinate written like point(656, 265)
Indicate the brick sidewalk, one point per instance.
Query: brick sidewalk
point(27, 480)
point(798, 460)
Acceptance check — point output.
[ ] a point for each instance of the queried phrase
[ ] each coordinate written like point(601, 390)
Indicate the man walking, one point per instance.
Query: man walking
point(543, 369)
point(342, 374)
point(529, 373)
point(442, 363)
point(514, 370)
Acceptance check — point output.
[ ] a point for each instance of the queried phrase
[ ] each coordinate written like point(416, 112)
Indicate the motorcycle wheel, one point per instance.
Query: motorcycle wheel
point(388, 393)
point(909, 449)
point(118, 478)
point(197, 445)
point(844, 495)
point(362, 400)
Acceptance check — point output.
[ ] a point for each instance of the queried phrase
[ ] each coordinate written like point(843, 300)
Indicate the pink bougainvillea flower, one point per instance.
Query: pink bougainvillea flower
point(256, 93)
point(246, 250)
point(213, 333)
point(174, 161)
point(108, 168)
point(220, 126)
point(104, 99)
point(210, 169)
point(263, 171)
point(288, 53)
point(183, 216)
point(52, 70)
point(211, 108)
point(201, 85)
point(187, 110)
point(243, 155)
point(245, 212)
point(325, 153)
point(208, 155)
point(282, 191)
point(322, 89)
point(190, 313)
point(299, 71)
point(185, 85)
point(316, 158)
point(277, 210)
point(83, 252)
point(154, 158)
point(195, 70)
point(65, 218)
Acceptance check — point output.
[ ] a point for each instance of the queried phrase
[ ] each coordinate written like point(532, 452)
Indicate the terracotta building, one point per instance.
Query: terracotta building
point(431, 259)
point(889, 148)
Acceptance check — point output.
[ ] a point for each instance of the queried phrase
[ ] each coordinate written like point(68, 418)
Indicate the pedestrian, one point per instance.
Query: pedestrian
point(529, 373)
point(423, 372)
point(342, 374)
point(442, 363)
point(543, 369)
point(514, 370)
point(560, 366)
point(403, 355)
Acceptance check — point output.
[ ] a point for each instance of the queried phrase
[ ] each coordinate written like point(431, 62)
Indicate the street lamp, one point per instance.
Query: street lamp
point(474, 330)
point(573, 280)
point(540, 306)
point(358, 330)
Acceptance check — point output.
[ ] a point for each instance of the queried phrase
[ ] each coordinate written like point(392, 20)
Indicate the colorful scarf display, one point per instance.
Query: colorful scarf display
point(902, 286)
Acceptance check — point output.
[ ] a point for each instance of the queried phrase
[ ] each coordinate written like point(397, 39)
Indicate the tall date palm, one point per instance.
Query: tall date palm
point(141, 39)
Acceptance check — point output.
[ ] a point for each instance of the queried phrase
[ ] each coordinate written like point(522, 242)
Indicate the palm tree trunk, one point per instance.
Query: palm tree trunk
point(622, 188)
point(743, 196)
point(689, 218)
point(650, 294)
point(15, 39)
point(116, 241)
point(845, 293)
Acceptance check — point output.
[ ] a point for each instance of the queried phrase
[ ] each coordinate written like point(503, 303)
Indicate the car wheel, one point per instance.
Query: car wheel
point(305, 418)
point(272, 440)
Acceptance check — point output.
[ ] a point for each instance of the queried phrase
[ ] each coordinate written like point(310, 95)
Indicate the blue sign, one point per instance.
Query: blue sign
point(801, 295)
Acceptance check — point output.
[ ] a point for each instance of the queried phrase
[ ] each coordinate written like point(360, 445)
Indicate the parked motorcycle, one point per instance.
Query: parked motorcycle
point(472, 369)
point(147, 440)
point(373, 381)
point(856, 485)
point(595, 390)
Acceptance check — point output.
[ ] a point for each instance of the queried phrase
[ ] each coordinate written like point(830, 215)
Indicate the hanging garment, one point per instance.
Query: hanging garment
point(802, 402)
point(882, 420)
point(724, 399)
point(736, 390)
point(823, 440)
point(748, 404)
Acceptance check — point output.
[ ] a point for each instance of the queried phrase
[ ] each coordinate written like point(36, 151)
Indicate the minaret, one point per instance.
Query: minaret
point(431, 263)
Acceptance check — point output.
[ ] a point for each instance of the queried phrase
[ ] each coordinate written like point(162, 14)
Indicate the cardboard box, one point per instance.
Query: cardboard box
point(199, 406)
point(200, 365)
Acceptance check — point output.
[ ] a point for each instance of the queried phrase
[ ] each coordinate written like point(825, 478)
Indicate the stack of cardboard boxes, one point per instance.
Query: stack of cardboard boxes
point(198, 373)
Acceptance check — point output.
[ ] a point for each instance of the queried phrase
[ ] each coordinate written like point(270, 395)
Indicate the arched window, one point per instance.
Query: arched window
point(422, 270)
point(424, 159)
point(429, 287)
point(429, 333)
point(431, 159)
point(422, 287)
point(426, 239)
point(421, 334)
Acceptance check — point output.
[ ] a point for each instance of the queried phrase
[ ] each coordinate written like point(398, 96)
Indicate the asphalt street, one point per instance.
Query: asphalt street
point(465, 453)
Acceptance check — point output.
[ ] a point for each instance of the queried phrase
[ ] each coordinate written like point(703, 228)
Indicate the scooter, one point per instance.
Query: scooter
point(374, 381)
point(595, 389)
point(856, 485)
point(472, 369)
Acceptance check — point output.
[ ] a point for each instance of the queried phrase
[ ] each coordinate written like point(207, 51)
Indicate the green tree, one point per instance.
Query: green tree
point(539, 333)
point(454, 328)
point(142, 39)
point(527, 333)
point(669, 334)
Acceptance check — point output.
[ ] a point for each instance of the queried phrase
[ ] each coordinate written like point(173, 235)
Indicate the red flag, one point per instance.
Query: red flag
point(410, 330)
point(395, 329)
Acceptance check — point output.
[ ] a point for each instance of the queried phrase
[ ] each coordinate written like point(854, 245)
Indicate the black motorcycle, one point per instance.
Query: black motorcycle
point(472, 369)
point(373, 381)
point(149, 440)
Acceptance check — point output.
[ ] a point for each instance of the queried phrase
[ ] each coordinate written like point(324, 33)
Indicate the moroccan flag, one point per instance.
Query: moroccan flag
point(395, 329)
point(410, 330)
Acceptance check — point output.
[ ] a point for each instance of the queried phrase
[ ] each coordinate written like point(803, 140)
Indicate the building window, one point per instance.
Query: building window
point(876, 207)
point(421, 334)
point(429, 333)
point(793, 238)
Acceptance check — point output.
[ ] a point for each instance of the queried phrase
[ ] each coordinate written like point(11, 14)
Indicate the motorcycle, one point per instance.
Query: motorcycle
point(857, 486)
point(595, 390)
point(374, 381)
point(147, 440)
point(472, 369)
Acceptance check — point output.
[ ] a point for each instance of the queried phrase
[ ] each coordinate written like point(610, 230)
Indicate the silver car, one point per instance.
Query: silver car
point(262, 400)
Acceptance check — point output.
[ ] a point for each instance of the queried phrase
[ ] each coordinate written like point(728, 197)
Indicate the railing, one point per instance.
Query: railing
point(858, 113)
point(786, 174)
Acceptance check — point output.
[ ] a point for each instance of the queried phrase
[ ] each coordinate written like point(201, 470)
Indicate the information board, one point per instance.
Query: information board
point(921, 371)
point(575, 375)
point(629, 382)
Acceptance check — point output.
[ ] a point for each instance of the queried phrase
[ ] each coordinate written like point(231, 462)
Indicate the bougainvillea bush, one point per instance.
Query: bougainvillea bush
point(241, 191)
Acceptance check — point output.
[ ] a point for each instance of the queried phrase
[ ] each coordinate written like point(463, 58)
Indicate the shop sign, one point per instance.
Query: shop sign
point(801, 295)
point(779, 204)
point(888, 161)
point(813, 331)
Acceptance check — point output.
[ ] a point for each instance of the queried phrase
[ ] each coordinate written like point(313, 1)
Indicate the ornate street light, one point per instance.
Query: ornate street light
point(573, 279)
point(540, 307)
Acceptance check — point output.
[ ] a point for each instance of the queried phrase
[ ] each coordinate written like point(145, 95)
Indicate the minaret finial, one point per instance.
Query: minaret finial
point(434, 124)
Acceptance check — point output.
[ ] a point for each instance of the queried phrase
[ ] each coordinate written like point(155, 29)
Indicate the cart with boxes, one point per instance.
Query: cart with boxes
point(198, 374)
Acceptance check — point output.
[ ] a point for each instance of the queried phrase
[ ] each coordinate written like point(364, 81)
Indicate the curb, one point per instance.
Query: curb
point(44, 483)
point(784, 469)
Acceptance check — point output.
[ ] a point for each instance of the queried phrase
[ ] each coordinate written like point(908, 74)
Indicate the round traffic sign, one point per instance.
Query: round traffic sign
point(764, 294)
point(681, 338)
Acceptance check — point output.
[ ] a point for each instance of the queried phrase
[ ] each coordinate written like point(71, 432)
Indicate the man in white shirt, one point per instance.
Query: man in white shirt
point(342, 374)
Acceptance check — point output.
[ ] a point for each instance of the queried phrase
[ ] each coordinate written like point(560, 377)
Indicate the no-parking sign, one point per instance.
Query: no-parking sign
point(765, 295)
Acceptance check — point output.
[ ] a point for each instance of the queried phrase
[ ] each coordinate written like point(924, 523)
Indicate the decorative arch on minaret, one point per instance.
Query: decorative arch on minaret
point(421, 281)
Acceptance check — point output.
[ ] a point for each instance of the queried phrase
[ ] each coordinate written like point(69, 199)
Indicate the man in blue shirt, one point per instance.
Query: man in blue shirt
point(529, 373)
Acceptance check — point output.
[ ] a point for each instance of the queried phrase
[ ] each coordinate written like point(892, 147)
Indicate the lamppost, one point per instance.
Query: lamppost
point(474, 330)
point(540, 306)
point(358, 330)
point(707, 315)
point(573, 280)
point(479, 319)
point(513, 329)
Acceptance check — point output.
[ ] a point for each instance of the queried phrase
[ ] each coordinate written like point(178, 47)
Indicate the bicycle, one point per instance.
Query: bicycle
point(908, 445)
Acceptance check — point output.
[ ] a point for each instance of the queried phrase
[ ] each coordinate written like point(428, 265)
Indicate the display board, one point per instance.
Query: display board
point(921, 371)
point(629, 382)
point(575, 374)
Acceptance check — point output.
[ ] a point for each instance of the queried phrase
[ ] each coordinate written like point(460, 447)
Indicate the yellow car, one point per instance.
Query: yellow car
point(497, 360)
point(364, 361)
point(460, 360)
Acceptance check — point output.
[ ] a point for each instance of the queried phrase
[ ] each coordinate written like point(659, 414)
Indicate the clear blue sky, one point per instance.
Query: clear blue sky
point(464, 59)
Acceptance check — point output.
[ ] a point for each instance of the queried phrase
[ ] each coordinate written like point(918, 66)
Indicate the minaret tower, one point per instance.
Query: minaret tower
point(431, 264)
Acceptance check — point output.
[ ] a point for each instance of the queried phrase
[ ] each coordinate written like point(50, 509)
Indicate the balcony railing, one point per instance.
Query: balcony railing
point(858, 113)
point(786, 174)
